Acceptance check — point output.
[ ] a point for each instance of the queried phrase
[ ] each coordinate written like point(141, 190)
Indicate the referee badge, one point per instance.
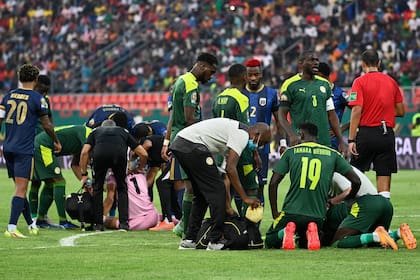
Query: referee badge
point(353, 96)
point(209, 161)
point(263, 101)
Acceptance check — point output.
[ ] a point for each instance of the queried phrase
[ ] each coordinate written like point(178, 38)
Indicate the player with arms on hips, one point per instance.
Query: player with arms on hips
point(21, 108)
point(263, 105)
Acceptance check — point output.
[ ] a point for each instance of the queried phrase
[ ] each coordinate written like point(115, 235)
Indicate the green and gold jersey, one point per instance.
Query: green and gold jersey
point(72, 139)
point(307, 103)
point(186, 93)
point(311, 168)
point(232, 104)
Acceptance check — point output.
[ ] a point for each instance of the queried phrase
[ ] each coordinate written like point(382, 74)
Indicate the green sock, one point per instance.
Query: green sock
point(33, 197)
point(394, 235)
point(366, 238)
point(45, 200)
point(186, 209)
point(60, 199)
point(280, 234)
point(354, 241)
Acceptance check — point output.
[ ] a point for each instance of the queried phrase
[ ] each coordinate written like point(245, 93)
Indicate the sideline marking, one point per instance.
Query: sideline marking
point(69, 241)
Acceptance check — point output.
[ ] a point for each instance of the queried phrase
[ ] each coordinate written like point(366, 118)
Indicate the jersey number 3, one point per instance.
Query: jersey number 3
point(311, 170)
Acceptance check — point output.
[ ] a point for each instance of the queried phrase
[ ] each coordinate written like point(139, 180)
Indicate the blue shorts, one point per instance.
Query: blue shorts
point(19, 165)
point(262, 174)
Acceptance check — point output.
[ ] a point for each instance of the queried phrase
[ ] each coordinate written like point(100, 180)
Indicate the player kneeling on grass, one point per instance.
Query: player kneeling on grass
point(311, 168)
point(368, 218)
point(142, 214)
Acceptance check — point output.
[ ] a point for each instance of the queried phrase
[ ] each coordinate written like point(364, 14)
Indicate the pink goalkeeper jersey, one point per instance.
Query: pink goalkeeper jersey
point(141, 210)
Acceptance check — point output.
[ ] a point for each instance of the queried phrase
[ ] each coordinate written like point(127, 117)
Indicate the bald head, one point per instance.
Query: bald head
point(260, 131)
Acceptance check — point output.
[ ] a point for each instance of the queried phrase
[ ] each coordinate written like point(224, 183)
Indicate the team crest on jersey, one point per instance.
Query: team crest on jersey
point(283, 97)
point(209, 161)
point(352, 96)
point(263, 101)
point(57, 170)
point(194, 97)
point(44, 104)
point(322, 89)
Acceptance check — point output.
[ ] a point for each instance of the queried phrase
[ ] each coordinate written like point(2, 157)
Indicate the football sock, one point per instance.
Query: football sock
point(186, 209)
point(395, 234)
point(33, 197)
point(60, 199)
point(27, 212)
point(367, 238)
point(353, 241)
point(18, 203)
point(280, 234)
point(164, 189)
point(45, 200)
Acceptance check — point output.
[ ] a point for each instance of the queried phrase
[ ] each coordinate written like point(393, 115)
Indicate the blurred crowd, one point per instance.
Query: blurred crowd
point(143, 45)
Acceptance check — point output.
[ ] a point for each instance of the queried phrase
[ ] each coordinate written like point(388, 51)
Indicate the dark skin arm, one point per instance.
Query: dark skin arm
point(399, 110)
point(49, 129)
point(335, 126)
point(287, 128)
point(275, 180)
point(232, 161)
point(355, 183)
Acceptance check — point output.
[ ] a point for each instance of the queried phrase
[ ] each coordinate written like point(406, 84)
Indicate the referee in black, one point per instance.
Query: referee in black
point(109, 144)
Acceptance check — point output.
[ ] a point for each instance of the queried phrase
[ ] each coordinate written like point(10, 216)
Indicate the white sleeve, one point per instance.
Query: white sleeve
point(330, 104)
point(2, 113)
point(237, 140)
point(341, 182)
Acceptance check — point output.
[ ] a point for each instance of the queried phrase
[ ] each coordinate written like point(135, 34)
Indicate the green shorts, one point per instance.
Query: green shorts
point(369, 212)
point(46, 164)
point(273, 241)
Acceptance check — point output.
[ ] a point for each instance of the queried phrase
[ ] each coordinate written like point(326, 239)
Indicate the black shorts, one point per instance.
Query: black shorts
point(375, 147)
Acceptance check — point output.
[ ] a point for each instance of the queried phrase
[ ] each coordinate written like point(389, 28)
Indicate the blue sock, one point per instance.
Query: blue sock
point(18, 203)
point(27, 212)
point(180, 194)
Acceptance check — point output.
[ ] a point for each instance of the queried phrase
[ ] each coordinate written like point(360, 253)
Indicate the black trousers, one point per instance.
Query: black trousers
point(118, 165)
point(209, 189)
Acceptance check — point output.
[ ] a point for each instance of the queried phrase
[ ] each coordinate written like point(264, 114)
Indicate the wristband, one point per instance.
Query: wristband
point(165, 142)
point(351, 141)
point(283, 143)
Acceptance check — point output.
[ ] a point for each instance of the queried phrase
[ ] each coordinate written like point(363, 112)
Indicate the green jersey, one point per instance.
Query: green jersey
point(72, 139)
point(311, 168)
point(232, 104)
point(186, 93)
point(307, 101)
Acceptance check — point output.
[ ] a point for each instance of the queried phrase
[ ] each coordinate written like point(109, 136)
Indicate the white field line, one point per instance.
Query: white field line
point(69, 241)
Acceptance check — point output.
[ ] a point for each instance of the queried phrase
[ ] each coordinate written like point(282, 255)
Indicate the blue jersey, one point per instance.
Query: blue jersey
point(104, 112)
point(158, 127)
point(262, 104)
point(22, 110)
point(340, 101)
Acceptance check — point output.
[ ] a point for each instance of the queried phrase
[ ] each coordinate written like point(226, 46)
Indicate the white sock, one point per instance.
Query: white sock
point(386, 194)
point(11, 227)
point(33, 225)
point(375, 237)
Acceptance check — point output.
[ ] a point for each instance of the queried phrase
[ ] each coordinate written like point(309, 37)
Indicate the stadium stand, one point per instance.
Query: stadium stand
point(103, 46)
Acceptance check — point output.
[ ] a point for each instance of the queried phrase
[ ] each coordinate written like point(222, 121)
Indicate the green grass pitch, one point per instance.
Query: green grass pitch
point(154, 255)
